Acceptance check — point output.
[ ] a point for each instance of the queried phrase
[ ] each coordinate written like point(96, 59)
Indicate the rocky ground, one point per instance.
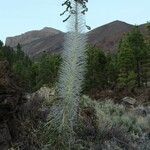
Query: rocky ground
point(103, 124)
point(18, 115)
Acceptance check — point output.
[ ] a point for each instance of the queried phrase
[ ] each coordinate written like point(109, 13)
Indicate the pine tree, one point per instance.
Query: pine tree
point(19, 52)
point(132, 53)
point(1, 44)
point(126, 63)
point(48, 66)
point(111, 71)
point(137, 44)
point(146, 61)
point(96, 69)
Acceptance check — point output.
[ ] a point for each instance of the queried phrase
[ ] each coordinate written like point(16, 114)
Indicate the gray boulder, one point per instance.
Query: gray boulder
point(129, 101)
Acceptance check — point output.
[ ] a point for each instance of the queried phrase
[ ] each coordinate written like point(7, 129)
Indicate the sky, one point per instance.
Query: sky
point(19, 16)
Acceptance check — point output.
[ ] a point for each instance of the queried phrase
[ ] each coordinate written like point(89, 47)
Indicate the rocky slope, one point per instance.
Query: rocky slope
point(19, 116)
point(103, 123)
point(48, 40)
point(108, 36)
point(31, 36)
point(10, 100)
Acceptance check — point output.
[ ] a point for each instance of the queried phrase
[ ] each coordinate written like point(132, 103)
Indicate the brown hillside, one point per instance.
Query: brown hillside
point(48, 40)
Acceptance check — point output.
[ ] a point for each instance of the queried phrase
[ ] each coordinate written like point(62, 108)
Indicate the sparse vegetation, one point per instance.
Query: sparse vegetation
point(102, 123)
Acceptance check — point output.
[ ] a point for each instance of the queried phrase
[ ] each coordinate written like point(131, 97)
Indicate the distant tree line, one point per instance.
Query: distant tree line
point(127, 69)
point(32, 73)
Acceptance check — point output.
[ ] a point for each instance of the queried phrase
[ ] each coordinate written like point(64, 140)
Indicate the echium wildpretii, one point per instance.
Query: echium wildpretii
point(72, 70)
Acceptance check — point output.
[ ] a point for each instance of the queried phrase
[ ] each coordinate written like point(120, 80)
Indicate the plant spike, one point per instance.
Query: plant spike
point(72, 71)
point(69, 8)
point(64, 111)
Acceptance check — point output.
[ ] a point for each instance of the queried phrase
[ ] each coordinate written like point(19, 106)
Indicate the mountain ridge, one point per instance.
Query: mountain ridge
point(106, 37)
point(31, 36)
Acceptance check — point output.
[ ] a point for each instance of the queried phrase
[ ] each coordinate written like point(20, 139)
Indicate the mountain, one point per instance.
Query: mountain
point(106, 37)
point(31, 36)
point(31, 41)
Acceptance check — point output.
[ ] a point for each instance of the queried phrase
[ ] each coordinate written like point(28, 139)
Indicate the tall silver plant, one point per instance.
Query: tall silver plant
point(72, 70)
point(63, 114)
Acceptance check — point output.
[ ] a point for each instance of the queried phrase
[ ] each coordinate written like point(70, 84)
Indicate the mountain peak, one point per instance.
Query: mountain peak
point(49, 29)
point(30, 36)
point(118, 22)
